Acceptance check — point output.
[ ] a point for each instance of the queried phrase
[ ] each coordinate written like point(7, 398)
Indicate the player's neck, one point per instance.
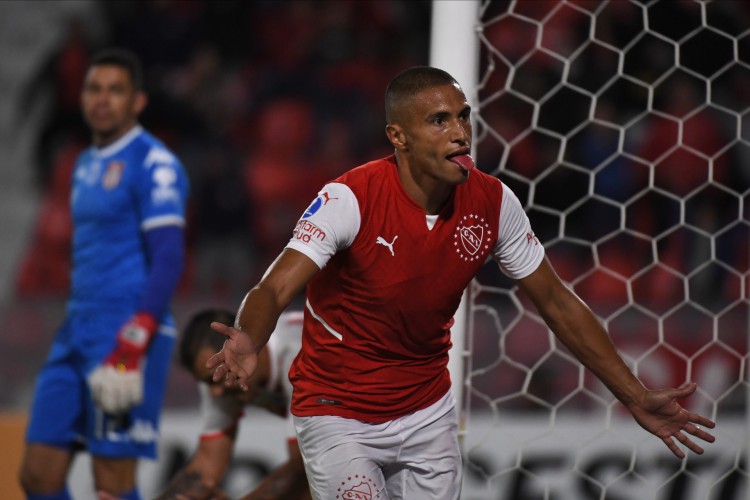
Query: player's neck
point(428, 192)
point(102, 139)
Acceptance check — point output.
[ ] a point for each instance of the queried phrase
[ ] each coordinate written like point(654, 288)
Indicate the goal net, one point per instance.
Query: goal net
point(624, 128)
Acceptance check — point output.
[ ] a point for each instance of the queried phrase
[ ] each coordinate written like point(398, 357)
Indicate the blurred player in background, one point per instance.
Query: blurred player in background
point(221, 409)
point(386, 251)
point(102, 385)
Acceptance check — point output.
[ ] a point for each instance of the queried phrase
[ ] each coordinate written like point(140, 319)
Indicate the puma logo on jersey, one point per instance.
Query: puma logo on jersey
point(381, 241)
point(327, 198)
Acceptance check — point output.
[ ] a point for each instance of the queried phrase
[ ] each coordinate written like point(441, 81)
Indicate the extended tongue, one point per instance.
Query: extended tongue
point(464, 161)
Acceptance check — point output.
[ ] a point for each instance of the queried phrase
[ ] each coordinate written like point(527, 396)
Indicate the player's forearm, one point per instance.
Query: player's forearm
point(262, 306)
point(258, 314)
point(165, 247)
point(576, 326)
point(189, 484)
point(202, 474)
point(288, 482)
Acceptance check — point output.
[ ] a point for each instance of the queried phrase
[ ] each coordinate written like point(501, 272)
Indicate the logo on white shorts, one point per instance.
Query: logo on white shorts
point(358, 488)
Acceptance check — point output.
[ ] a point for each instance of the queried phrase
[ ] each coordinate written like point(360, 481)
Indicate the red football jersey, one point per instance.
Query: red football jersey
point(377, 321)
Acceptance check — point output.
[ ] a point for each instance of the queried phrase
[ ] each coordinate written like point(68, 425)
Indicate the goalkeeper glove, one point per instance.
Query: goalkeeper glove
point(117, 384)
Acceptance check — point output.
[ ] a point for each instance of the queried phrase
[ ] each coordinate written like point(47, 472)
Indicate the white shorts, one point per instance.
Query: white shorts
point(413, 457)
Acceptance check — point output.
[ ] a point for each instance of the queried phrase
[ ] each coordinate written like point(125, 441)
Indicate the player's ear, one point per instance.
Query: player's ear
point(141, 100)
point(396, 135)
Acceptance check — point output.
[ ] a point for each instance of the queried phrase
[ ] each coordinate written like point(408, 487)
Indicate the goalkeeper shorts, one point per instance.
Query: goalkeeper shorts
point(63, 413)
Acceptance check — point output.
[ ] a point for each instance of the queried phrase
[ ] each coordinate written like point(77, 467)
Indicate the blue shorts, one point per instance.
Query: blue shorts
point(63, 413)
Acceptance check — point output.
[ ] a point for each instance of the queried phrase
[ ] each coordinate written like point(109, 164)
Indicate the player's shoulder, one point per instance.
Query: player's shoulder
point(361, 175)
point(154, 152)
point(368, 181)
point(483, 184)
point(484, 178)
point(86, 155)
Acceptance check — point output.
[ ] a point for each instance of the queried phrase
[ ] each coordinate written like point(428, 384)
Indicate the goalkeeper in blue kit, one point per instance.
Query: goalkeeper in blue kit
point(102, 386)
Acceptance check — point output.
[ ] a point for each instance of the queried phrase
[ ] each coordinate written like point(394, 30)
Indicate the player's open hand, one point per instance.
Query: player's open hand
point(237, 360)
point(661, 414)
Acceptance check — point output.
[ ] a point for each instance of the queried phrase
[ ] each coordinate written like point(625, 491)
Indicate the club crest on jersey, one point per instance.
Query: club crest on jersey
point(358, 487)
point(322, 200)
point(472, 238)
point(112, 174)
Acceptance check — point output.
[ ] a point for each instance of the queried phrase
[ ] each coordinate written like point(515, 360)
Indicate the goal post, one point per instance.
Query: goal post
point(624, 128)
point(454, 47)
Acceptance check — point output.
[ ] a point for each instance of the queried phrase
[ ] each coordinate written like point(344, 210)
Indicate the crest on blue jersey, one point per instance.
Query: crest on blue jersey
point(313, 208)
point(113, 174)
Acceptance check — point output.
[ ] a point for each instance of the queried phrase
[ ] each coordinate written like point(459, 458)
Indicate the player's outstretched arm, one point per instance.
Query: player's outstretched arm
point(576, 326)
point(257, 317)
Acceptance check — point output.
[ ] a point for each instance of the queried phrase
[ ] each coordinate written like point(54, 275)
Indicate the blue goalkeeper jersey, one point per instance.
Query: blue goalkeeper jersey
point(119, 192)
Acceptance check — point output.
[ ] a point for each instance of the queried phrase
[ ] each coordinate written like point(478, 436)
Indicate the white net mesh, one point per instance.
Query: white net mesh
point(624, 128)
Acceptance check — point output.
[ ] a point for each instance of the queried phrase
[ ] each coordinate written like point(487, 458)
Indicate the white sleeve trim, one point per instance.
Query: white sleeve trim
point(319, 260)
point(517, 251)
point(219, 414)
point(162, 221)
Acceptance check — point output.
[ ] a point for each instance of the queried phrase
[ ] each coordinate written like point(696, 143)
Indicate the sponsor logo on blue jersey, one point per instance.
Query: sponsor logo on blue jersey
point(158, 156)
point(165, 191)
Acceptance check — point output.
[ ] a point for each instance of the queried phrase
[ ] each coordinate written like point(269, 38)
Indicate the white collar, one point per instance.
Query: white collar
point(119, 143)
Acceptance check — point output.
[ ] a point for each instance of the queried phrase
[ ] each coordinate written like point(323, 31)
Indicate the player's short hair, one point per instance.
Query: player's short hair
point(411, 82)
point(198, 334)
point(124, 58)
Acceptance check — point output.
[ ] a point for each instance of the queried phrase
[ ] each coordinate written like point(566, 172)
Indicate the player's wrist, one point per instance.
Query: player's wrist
point(133, 340)
point(138, 331)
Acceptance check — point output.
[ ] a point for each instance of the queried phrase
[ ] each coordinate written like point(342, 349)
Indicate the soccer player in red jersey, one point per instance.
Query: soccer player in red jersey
point(385, 252)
